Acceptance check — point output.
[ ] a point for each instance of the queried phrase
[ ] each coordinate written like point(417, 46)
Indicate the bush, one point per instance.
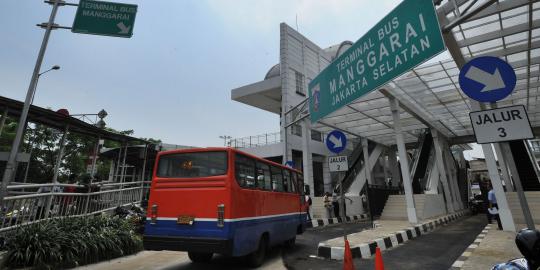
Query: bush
point(69, 242)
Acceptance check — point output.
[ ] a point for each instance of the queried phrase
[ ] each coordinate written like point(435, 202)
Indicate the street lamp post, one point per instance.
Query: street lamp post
point(55, 67)
point(10, 164)
point(225, 138)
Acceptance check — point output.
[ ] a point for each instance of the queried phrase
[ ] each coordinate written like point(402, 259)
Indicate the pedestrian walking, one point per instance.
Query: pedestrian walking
point(493, 211)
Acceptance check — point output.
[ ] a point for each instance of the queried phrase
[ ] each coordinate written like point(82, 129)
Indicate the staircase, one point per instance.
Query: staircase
point(533, 199)
point(421, 162)
point(427, 206)
point(525, 167)
point(396, 207)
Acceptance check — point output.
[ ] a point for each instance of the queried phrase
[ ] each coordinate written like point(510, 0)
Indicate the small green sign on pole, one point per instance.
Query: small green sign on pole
point(104, 18)
point(406, 37)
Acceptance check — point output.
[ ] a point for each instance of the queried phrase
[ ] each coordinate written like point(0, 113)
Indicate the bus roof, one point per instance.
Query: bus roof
point(228, 149)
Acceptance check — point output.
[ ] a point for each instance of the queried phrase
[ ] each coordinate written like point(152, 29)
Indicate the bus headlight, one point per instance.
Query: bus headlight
point(221, 215)
point(153, 214)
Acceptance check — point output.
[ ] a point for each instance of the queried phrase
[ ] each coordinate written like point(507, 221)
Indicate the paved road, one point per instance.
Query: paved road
point(306, 245)
point(277, 258)
point(436, 250)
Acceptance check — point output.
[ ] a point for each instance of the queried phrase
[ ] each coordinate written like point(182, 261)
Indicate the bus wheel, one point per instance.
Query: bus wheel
point(290, 243)
point(198, 257)
point(256, 258)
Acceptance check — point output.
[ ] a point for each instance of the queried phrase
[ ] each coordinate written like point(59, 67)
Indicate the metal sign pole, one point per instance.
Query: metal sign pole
point(10, 165)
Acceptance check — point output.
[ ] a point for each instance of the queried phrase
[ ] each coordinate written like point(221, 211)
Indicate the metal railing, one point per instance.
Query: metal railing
point(27, 204)
point(255, 141)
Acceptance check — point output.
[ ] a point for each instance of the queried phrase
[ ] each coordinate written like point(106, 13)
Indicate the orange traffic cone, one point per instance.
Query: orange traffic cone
point(379, 265)
point(347, 257)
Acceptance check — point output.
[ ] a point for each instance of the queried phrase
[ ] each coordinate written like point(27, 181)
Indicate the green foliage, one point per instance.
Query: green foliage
point(42, 143)
point(69, 242)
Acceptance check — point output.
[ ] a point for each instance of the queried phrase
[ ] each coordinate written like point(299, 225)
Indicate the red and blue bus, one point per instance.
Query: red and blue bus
point(223, 201)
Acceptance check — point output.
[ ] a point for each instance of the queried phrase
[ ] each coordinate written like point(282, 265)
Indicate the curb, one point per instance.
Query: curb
point(458, 264)
point(366, 250)
point(327, 221)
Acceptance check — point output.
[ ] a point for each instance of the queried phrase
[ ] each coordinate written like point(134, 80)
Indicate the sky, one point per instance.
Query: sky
point(172, 79)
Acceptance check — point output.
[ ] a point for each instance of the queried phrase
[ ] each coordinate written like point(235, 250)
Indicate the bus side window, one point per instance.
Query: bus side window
point(277, 179)
point(300, 184)
point(294, 180)
point(263, 176)
point(287, 181)
point(245, 171)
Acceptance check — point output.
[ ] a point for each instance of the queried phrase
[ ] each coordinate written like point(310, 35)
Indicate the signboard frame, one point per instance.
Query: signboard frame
point(342, 165)
point(83, 24)
point(484, 77)
point(342, 81)
point(503, 140)
point(338, 134)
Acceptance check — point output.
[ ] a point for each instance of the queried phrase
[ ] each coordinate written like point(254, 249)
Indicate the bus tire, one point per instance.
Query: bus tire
point(256, 258)
point(199, 257)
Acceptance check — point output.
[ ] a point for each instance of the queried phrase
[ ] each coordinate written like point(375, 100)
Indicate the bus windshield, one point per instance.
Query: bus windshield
point(192, 165)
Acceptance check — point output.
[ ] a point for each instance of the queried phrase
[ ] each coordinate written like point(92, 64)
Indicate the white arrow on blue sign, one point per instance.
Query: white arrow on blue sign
point(487, 79)
point(336, 141)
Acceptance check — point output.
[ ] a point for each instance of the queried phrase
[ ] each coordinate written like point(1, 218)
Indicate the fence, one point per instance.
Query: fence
point(255, 141)
point(26, 204)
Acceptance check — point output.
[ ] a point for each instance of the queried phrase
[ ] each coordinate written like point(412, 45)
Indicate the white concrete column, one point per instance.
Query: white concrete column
point(453, 180)
point(307, 158)
point(392, 163)
point(369, 173)
point(409, 198)
point(327, 180)
point(504, 210)
point(504, 167)
point(442, 171)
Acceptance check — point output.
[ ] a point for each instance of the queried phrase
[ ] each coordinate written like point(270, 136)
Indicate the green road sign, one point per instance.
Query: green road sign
point(406, 37)
point(104, 18)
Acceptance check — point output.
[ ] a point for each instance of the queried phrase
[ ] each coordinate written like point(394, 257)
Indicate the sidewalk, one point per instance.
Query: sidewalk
point(387, 234)
point(495, 247)
point(318, 222)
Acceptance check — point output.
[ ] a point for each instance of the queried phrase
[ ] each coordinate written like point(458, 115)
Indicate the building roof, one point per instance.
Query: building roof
point(430, 96)
point(59, 121)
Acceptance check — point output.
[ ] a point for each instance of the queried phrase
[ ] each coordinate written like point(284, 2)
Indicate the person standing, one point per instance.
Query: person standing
point(308, 206)
point(363, 198)
point(335, 204)
point(492, 213)
point(328, 204)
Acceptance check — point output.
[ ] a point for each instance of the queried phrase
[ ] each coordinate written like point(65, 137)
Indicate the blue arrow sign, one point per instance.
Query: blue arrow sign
point(289, 163)
point(336, 141)
point(487, 79)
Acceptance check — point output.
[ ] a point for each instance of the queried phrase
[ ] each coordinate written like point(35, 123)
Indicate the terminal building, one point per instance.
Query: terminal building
point(406, 139)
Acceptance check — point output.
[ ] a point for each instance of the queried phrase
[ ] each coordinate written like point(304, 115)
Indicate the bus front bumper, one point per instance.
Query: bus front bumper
point(194, 244)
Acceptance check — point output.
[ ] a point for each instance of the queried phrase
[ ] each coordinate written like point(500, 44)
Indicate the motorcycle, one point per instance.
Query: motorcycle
point(134, 214)
point(528, 243)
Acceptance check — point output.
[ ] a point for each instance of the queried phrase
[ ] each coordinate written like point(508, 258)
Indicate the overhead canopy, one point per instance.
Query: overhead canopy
point(59, 121)
point(430, 96)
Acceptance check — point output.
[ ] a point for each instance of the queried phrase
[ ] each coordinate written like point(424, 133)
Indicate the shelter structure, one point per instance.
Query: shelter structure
point(426, 111)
